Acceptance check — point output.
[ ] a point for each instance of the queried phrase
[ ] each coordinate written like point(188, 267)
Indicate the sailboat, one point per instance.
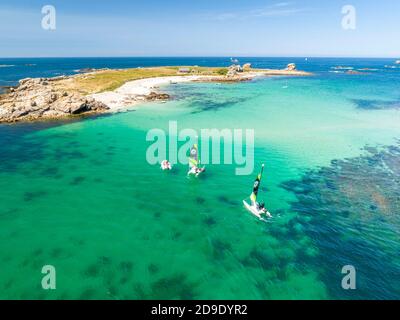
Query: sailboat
point(254, 207)
point(194, 162)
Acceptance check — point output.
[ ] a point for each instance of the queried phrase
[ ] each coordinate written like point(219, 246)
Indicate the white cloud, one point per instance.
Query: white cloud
point(271, 12)
point(279, 9)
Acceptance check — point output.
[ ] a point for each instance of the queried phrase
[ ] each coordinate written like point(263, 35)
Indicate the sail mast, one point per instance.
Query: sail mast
point(194, 156)
point(256, 186)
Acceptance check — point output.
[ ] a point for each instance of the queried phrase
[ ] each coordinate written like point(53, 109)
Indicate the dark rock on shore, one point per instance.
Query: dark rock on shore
point(153, 96)
point(43, 98)
point(88, 70)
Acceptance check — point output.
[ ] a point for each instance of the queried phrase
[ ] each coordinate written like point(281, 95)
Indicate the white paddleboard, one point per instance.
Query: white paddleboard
point(190, 173)
point(255, 212)
point(202, 170)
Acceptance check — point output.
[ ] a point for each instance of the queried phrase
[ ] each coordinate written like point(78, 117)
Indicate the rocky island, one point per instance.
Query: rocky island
point(99, 91)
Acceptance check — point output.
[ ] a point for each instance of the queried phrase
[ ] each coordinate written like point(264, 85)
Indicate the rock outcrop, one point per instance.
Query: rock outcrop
point(233, 70)
point(42, 98)
point(247, 66)
point(354, 72)
point(154, 96)
point(89, 70)
point(291, 67)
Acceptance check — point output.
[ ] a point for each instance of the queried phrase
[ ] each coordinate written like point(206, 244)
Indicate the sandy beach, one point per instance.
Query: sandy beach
point(135, 92)
point(108, 90)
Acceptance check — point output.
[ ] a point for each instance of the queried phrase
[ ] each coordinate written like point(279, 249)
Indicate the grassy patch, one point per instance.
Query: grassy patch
point(222, 71)
point(109, 80)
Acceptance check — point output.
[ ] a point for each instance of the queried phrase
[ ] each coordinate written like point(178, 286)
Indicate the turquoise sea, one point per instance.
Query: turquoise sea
point(80, 195)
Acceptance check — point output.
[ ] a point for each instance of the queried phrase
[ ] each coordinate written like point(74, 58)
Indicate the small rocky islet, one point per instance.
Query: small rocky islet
point(66, 96)
point(42, 98)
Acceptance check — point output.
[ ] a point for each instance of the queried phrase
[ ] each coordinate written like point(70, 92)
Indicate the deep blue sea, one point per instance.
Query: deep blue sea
point(12, 70)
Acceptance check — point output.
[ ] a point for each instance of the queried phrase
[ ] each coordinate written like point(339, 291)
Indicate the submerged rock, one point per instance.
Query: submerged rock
point(354, 72)
point(351, 211)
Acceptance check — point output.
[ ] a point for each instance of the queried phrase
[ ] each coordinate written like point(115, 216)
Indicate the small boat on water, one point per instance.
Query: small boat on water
point(166, 165)
point(398, 62)
point(194, 162)
point(255, 208)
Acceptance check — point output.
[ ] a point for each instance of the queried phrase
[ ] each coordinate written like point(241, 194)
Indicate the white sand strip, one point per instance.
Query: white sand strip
point(134, 92)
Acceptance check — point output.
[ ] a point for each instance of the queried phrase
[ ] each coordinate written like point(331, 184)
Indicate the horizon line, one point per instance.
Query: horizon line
point(200, 56)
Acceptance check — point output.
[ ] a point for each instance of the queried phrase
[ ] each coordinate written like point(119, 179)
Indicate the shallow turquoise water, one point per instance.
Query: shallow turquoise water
point(82, 197)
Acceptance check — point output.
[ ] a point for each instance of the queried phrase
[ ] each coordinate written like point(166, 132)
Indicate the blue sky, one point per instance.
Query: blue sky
point(200, 28)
